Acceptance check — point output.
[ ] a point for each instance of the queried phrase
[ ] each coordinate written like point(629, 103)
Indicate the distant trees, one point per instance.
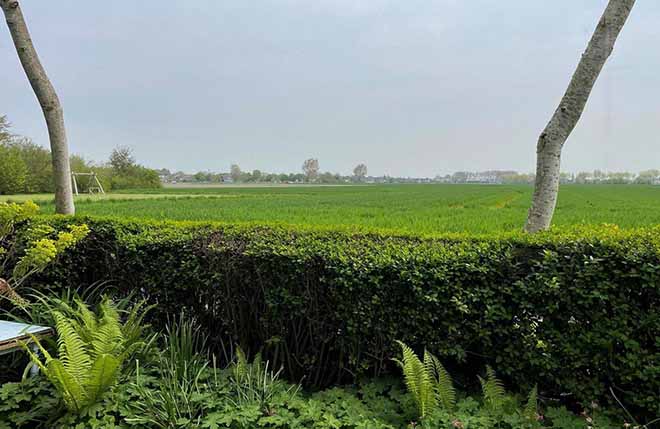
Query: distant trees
point(121, 158)
point(235, 172)
point(360, 172)
point(311, 169)
point(203, 176)
point(14, 171)
point(26, 167)
point(49, 102)
point(567, 115)
point(38, 163)
point(4, 129)
point(648, 177)
point(123, 172)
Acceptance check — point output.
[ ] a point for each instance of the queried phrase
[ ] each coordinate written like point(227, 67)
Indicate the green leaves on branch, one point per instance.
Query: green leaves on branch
point(34, 248)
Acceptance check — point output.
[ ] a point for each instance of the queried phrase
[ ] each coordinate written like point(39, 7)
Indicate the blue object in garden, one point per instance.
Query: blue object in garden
point(14, 333)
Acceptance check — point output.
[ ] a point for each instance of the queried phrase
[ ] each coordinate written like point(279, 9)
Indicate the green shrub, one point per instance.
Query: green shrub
point(31, 249)
point(578, 311)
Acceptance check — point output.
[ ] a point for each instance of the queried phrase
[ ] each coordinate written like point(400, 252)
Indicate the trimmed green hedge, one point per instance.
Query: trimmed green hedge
point(578, 312)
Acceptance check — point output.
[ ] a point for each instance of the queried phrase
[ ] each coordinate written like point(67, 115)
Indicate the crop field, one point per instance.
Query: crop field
point(426, 209)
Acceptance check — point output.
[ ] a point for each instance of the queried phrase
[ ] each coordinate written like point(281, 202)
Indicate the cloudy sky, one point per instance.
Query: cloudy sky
point(410, 87)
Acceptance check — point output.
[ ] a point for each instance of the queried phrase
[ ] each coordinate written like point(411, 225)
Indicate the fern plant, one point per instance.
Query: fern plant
point(493, 391)
point(530, 412)
point(444, 387)
point(427, 381)
point(432, 388)
point(90, 351)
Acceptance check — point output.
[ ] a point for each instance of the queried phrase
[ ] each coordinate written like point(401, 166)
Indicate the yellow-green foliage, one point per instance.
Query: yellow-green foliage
point(36, 247)
point(13, 213)
point(42, 250)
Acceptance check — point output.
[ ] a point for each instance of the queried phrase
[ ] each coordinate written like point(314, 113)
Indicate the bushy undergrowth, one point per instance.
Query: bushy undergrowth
point(177, 384)
point(576, 312)
point(379, 404)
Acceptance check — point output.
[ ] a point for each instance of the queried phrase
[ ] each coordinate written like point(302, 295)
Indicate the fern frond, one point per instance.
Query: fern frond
point(106, 340)
point(493, 391)
point(72, 350)
point(418, 381)
point(108, 337)
point(134, 327)
point(444, 387)
point(72, 391)
point(102, 376)
point(530, 410)
point(241, 365)
point(86, 320)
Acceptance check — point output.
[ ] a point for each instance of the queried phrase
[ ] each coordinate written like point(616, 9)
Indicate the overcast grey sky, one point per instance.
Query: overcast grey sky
point(409, 87)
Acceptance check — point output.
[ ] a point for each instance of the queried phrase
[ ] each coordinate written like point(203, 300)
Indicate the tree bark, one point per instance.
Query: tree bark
point(50, 104)
point(567, 115)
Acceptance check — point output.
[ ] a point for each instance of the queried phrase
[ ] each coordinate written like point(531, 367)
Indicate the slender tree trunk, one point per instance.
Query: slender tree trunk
point(50, 104)
point(567, 115)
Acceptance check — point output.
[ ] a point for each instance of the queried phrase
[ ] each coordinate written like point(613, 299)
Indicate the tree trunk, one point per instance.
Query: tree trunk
point(50, 104)
point(567, 115)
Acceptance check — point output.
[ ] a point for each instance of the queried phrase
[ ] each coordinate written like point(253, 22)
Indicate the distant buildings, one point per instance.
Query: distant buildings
point(489, 177)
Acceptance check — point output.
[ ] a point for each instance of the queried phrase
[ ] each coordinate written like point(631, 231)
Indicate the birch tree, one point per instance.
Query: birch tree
point(569, 111)
point(49, 102)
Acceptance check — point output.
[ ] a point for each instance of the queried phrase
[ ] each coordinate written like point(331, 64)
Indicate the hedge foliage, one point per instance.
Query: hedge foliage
point(576, 312)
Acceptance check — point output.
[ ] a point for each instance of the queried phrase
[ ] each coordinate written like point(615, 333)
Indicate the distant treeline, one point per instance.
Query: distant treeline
point(236, 175)
point(26, 167)
point(646, 177)
point(310, 173)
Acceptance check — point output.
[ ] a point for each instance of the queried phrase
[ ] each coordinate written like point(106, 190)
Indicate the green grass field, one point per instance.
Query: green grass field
point(409, 208)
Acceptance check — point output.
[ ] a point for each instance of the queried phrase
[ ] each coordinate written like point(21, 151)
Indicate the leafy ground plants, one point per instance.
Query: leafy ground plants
point(435, 397)
point(178, 389)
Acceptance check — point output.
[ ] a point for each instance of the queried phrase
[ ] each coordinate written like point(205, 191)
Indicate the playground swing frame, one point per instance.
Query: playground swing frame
point(93, 184)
